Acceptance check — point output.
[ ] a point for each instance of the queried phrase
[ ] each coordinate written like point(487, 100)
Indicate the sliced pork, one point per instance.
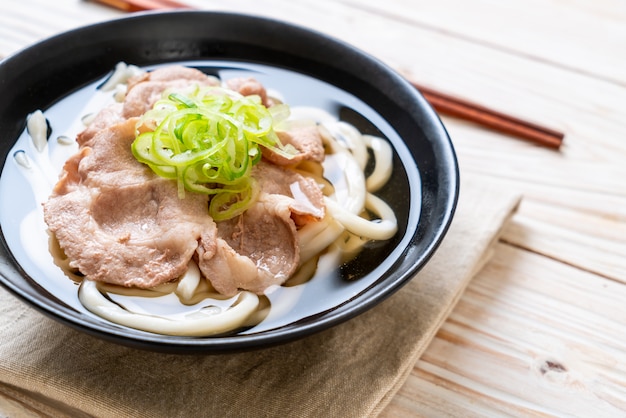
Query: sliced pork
point(120, 223)
point(247, 86)
point(306, 139)
point(108, 116)
point(254, 251)
point(172, 73)
point(135, 235)
point(259, 249)
point(304, 197)
point(145, 90)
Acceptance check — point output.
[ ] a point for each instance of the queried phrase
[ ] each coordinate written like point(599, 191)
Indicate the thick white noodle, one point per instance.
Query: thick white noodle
point(189, 282)
point(37, 126)
point(351, 139)
point(383, 158)
point(378, 206)
point(317, 243)
point(353, 148)
point(120, 75)
point(309, 231)
point(305, 271)
point(22, 159)
point(353, 198)
point(119, 93)
point(382, 229)
point(199, 323)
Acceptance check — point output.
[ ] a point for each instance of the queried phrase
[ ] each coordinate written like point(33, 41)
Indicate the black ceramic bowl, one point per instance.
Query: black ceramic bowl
point(310, 69)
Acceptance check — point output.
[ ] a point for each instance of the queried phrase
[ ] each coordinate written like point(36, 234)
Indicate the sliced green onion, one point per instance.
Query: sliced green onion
point(208, 139)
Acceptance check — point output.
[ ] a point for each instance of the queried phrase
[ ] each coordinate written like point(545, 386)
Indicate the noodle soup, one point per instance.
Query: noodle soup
point(332, 280)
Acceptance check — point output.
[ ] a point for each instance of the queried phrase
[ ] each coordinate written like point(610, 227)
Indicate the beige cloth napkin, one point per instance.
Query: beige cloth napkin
point(351, 370)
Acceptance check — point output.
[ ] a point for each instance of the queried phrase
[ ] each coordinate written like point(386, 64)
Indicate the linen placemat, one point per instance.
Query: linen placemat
point(351, 370)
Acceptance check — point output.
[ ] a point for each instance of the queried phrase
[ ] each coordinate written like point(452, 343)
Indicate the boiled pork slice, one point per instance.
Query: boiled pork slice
point(118, 222)
point(259, 249)
point(304, 196)
point(305, 139)
point(108, 116)
point(253, 251)
point(248, 86)
point(145, 90)
point(138, 235)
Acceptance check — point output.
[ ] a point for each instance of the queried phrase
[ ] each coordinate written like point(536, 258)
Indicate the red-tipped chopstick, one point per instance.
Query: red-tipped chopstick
point(143, 5)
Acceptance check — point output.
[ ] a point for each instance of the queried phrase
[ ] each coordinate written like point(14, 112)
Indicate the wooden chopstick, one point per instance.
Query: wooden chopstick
point(498, 121)
point(441, 102)
point(142, 5)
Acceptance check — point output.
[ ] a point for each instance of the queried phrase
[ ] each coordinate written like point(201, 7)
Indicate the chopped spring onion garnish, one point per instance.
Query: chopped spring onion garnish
point(208, 140)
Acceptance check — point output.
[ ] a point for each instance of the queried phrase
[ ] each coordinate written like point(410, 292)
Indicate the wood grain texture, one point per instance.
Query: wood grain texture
point(525, 344)
point(577, 36)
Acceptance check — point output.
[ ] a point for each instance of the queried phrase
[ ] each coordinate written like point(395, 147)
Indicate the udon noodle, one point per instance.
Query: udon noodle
point(354, 216)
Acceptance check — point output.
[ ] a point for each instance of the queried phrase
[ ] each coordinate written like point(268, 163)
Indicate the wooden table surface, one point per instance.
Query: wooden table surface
point(541, 331)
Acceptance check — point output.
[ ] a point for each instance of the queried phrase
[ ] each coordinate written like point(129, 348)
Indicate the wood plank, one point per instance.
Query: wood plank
point(593, 243)
point(603, 205)
point(530, 336)
point(580, 36)
point(445, 397)
point(19, 28)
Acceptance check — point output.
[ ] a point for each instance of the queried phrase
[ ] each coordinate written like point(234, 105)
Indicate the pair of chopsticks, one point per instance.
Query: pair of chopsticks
point(444, 104)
